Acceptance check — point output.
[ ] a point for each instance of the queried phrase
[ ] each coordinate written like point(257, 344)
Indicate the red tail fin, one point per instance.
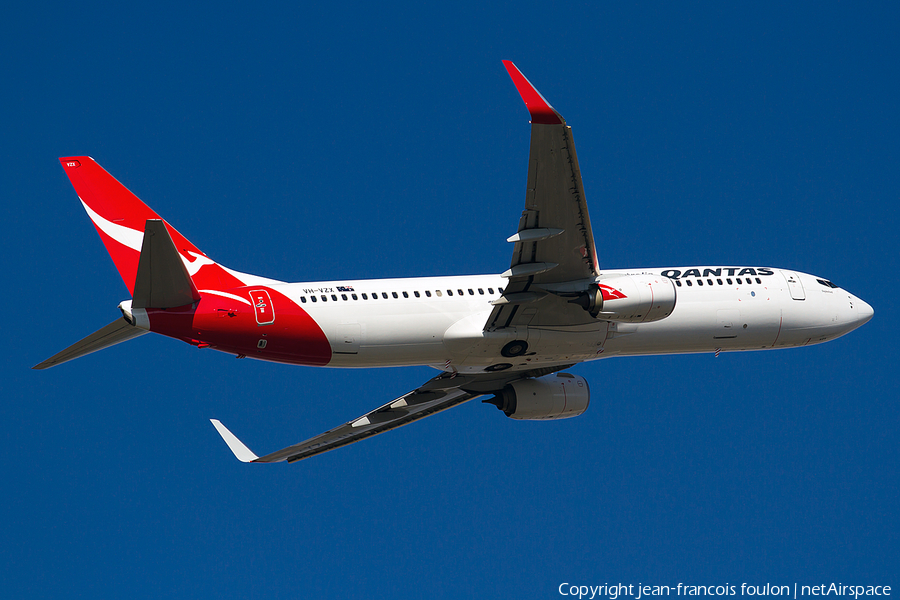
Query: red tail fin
point(120, 217)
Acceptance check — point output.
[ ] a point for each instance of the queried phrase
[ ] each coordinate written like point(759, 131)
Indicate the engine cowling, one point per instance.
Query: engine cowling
point(558, 396)
point(635, 298)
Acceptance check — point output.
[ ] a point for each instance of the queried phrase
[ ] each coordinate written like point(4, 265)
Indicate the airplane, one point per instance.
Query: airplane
point(510, 336)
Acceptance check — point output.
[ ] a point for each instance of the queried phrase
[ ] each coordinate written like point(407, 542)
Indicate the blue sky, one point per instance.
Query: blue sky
point(372, 140)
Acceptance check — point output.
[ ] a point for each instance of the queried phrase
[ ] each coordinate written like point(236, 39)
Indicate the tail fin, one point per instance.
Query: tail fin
point(120, 218)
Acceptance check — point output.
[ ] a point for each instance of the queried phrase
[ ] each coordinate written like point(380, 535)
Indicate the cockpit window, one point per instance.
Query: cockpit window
point(826, 283)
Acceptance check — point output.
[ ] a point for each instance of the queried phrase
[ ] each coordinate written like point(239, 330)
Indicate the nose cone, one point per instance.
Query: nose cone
point(864, 312)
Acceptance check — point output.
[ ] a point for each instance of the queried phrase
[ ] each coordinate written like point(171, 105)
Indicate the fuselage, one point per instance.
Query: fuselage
point(440, 321)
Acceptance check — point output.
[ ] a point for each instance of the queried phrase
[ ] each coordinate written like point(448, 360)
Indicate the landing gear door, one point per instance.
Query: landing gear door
point(794, 285)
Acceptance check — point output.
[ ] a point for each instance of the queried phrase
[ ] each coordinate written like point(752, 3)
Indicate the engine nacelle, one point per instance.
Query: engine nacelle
point(635, 298)
point(557, 396)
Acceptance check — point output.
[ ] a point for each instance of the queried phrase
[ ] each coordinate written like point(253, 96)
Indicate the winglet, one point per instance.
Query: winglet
point(541, 111)
point(241, 451)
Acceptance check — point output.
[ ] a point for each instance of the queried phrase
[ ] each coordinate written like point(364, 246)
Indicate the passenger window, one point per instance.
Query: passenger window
point(405, 295)
point(460, 292)
point(480, 291)
point(343, 296)
point(490, 290)
point(709, 281)
point(729, 281)
point(334, 297)
point(699, 282)
point(354, 296)
point(500, 290)
point(758, 280)
point(438, 292)
point(303, 299)
point(394, 294)
point(471, 292)
point(384, 295)
point(719, 281)
point(428, 293)
point(688, 282)
point(416, 294)
point(324, 298)
point(449, 292)
point(365, 297)
point(313, 298)
point(678, 282)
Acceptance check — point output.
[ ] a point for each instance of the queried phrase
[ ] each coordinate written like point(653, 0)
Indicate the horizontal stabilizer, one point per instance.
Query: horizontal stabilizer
point(114, 333)
point(162, 280)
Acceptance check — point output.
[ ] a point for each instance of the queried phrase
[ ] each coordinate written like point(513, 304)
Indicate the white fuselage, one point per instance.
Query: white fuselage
point(439, 321)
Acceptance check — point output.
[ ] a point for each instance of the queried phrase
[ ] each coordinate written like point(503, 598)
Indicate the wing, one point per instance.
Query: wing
point(554, 248)
point(410, 407)
point(440, 393)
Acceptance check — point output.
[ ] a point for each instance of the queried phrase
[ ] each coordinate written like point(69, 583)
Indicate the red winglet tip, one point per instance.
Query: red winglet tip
point(541, 111)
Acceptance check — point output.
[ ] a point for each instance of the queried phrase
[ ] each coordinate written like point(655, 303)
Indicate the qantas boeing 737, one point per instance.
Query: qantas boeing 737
point(508, 337)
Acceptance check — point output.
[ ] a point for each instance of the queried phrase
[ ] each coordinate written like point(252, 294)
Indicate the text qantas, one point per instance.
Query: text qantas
point(718, 272)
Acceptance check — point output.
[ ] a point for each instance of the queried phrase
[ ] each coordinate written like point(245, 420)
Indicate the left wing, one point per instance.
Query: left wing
point(443, 392)
point(405, 409)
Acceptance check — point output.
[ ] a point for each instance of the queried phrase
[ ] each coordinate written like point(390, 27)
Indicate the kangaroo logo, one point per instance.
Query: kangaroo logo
point(194, 266)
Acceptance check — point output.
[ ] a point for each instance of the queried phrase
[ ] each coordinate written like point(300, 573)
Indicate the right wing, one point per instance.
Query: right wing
point(554, 245)
point(438, 394)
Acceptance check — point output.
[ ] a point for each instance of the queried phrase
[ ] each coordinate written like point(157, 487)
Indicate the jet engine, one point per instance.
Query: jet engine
point(557, 396)
point(629, 298)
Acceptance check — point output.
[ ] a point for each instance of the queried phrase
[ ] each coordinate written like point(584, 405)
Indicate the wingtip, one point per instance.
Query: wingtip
point(241, 452)
point(541, 111)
